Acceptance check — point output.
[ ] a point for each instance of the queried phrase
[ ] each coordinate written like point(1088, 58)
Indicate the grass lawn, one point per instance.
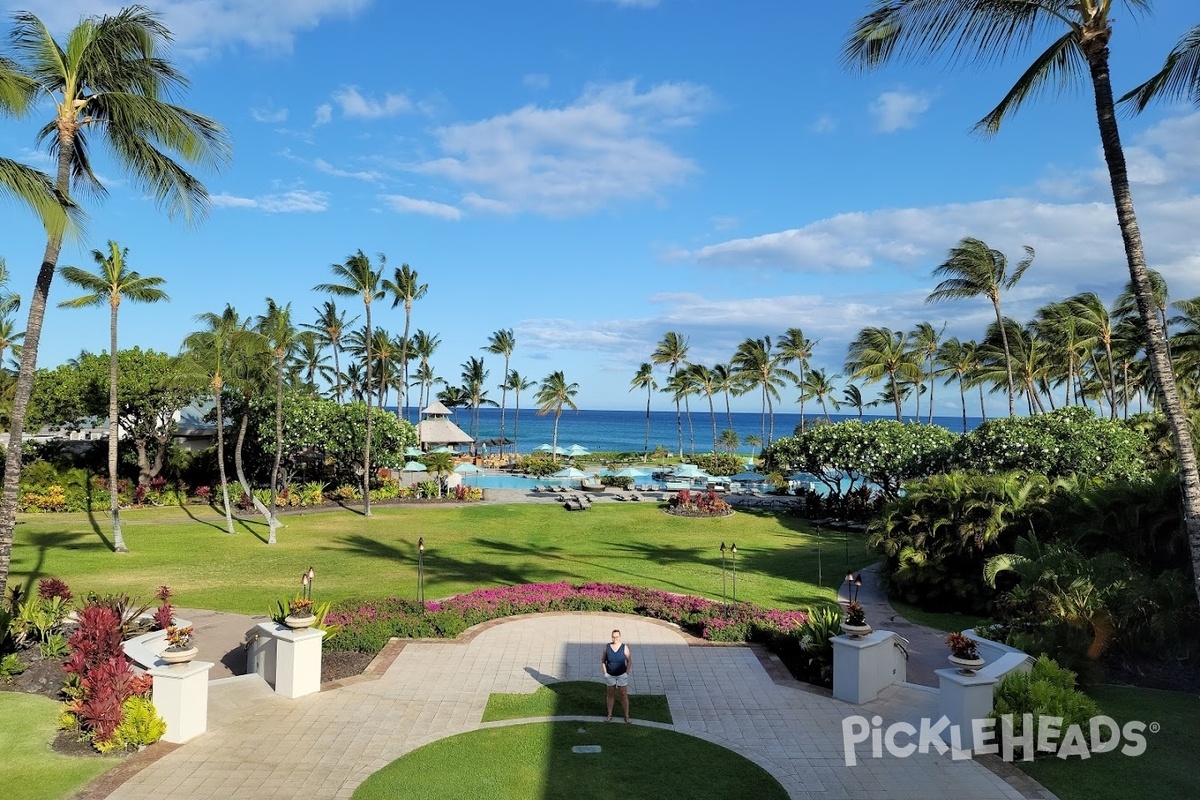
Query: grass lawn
point(535, 761)
point(1165, 769)
point(30, 769)
point(942, 621)
point(573, 699)
point(466, 547)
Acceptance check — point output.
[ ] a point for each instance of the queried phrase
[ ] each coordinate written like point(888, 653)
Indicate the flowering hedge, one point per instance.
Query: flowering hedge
point(366, 625)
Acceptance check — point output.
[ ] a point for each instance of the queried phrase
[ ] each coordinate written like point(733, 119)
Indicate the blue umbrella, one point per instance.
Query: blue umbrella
point(748, 477)
point(578, 450)
point(414, 466)
point(467, 469)
point(413, 452)
point(630, 472)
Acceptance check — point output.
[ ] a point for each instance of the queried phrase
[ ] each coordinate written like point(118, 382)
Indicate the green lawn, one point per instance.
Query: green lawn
point(466, 547)
point(30, 769)
point(573, 699)
point(524, 762)
point(942, 621)
point(1165, 769)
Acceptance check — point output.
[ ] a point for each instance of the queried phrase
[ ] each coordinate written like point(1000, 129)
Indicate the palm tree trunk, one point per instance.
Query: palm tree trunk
point(241, 475)
point(221, 453)
point(367, 445)
point(962, 393)
point(770, 417)
point(337, 371)
point(679, 426)
point(646, 446)
point(712, 413)
point(982, 409)
point(1012, 398)
point(687, 406)
point(1096, 51)
point(503, 403)
point(1112, 380)
point(801, 385)
point(728, 412)
point(932, 385)
point(278, 442)
point(896, 397)
point(114, 496)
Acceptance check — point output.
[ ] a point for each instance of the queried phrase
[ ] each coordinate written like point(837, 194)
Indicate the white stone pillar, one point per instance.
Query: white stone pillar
point(863, 667)
point(963, 699)
point(181, 699)
point(297, 661)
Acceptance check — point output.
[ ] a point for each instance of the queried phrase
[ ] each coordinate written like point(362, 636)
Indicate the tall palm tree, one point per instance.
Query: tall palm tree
point(110, 81)
point(794, 346)
point(706, 384)
point(730, 440)
point(10, 337)
point(681, 386)
point(852, 396)
point(723, 379)
point(310, 360)
point(973, 270)
point(330, 326)
point(756, 365)
point(9, 301)
point(1094, 322)
point(516, 384)
point(553, 393)
point(406, 288)
point(111, 283)
point(819, 386)
point(424, 345)
point(970, 31)
point(644, 379)
point(360, 279)
point(925, 341)
point(957, 362)
point(502, 343)
point(879, 353)
point(672, 351)
point(280, 334)
point(474, 378)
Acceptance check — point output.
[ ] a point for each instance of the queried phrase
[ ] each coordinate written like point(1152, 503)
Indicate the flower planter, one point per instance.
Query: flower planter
point(178, 655)
point(298, 623)
point(856, 631)
point(966, 666)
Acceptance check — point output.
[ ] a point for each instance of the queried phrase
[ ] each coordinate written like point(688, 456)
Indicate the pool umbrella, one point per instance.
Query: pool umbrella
point(571, 474)
point(578, 450)
point(630, 472)
point(689, 471)
point(442, 449)
point(414, 466)
point(748, 477)
point(413, 452)
point(468, 469)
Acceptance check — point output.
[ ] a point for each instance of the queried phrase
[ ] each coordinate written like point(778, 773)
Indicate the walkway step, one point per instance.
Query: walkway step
point(230, 698)
point(221, 637)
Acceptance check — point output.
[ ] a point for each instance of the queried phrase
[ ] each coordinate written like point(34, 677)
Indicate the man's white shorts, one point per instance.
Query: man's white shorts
point(617, 680)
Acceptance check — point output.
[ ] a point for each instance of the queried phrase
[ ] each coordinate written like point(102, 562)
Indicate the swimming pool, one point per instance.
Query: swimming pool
point(527, 484)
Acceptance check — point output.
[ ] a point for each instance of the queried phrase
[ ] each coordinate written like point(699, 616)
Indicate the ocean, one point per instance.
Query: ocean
point(625, 431)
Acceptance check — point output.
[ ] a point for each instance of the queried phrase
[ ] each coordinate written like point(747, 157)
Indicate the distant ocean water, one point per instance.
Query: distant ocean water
point(625, 431)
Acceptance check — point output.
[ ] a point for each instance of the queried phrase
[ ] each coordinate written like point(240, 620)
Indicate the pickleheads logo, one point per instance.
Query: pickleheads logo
point(1046, 735)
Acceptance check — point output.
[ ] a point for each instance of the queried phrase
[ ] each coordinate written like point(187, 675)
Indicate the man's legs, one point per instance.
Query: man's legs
point(624, 702)
point(609, 697)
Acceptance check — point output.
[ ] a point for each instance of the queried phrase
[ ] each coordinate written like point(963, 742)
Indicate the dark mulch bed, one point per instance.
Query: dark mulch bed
point(338, 664)
point(1154, 675)
point(42, 676)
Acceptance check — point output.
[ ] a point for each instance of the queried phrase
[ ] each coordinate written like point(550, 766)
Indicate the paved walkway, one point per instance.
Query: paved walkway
point(220, 637)
point(325, 745)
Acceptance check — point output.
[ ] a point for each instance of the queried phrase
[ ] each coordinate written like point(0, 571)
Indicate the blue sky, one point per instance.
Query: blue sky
point(594, 173)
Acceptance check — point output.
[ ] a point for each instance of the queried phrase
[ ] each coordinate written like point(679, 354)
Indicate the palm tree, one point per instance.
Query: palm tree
point(109, 81)
point(309, 359)
point(852, 396)
point(423, 347)
point(958, 363)
point(9, 301)
point(974, 269)
point(818, 386)
point(516, 384)
point(986, 30)
point(502, 343)
point(111, 283)
point(405, 288)
point(280, 335)
point(1095, 323)
point(878, 353)
point(681, 386)
point(753, 440)
point(359, 279)
point(706, 384)
point(673, 350)
point(438, 464)
point(553, 393)
point(723, 379)
point(10, 337)
point(925, 340)
point(474, 377)
point(755, 365)
point(1178, 79)
point(331, 324)
point(730, 440)
point(644, 379)
point(793, 346)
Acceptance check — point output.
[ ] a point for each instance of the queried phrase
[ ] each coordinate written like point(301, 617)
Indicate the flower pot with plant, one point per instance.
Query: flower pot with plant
point(180, 649)
point(964, 653)
point(300, 613)
point(855, 623)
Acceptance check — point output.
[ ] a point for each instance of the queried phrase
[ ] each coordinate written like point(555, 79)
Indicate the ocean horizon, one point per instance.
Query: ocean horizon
point(625, 431)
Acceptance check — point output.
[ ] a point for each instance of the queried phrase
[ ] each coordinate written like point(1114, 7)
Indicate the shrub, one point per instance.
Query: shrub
point(698, 504)
point(719, 463)
point(1047, 690)
point(140, 725)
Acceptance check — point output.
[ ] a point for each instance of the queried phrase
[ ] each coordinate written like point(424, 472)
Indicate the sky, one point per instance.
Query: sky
point(595, 173)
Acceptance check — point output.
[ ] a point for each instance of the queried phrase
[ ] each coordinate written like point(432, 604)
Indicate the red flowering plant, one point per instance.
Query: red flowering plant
point(686, 503)
point(164, 615)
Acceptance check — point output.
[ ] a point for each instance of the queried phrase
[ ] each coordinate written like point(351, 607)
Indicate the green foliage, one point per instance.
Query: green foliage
point(1064, 442)
point(55, 646)
point(882, 452)
point(10, 665)
point(1047, 690)
point(808, 651)
point(538, 464)
point(140, 725)
point(719, 463)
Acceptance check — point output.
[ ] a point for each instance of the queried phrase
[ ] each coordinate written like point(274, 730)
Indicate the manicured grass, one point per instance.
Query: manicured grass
point(1165, 769)
point(942, 621)
point(466, 547)
point(29, 767)
point(573, 699)
point(535, 761)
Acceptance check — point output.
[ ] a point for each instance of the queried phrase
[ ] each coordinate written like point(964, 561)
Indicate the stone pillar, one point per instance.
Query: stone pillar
point(181, 699)
point(297, 661)
point(863, 667)
point(964, 698)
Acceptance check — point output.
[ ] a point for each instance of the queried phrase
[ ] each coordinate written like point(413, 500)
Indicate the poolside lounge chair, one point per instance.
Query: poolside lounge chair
point(620, 497)
point(635, 497)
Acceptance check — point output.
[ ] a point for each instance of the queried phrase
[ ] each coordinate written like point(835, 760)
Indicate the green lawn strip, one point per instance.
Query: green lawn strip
point(536, 761)
point(29, 767)
point(573, 699)
point(467, 547)
point(940, 620)
point(1166, 769)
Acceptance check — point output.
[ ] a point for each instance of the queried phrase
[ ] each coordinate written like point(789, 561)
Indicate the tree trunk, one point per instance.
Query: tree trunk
point(1096, 51)
point(219, 390)
point(712, 412)
point(337, 371)
point(679, 426)
point(366, 484)
point(1012, 401)
point(962, 393)
point(241, 476)
point(114, 496)
point(646, 446)
point(278, 442)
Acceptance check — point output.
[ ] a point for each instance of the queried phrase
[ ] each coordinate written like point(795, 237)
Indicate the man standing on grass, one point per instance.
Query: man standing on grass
point(616, 661)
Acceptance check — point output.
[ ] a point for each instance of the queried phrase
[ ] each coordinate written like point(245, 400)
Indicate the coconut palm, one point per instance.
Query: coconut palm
point(423, 347)
point(753, 441)
point(111, 283)
point(973, 270)
point(681, 386)
point(730, 440)
point(988, 30)
point(644, 379)
point(794, 346)
point(1179, 79)
point(360, 279)
point(10, 337)
point(502, 343)
point(438, 464)
point(957, 362)
point(819, 386)
point(756, 365)
point(109, 81)
point(852, 396)
point(1096, 325)
point(706, 384)
point(879, 353)
point(406, 288)
point(9, 301)
point(330, 325)
point(280, 335)
point(516, 384)
point(925, 340)
point(309, 359)
point(474, 378)
point(673, 350)
point(723, 379)
point(1058, 325)
point(553, 393)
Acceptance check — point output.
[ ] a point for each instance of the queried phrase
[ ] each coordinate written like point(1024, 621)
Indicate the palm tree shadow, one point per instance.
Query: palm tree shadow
point(97, 530)
point(184, 508)
point(351, 509)
point(248, 525)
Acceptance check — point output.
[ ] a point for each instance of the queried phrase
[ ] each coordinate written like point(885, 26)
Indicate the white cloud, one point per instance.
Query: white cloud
point(607, 146)
point(355, 105)
point(411, 205)
point(826, 123)
point(296, 200)
point(899, 109)
point(323, 115)
point(363, 175)
point(269, 114)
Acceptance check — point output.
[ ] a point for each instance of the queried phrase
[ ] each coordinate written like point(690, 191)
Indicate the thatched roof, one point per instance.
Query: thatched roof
point(436, 409)
point(440, 430)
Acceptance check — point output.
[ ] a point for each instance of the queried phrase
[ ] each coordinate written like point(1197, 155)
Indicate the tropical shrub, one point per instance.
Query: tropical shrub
point(685, 503)
point(140, 725)
point(100, 678)
point(719, 463)
point(538, 465)
point(1047, 690)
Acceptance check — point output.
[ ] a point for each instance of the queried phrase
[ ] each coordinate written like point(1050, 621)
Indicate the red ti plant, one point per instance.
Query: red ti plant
point(49, 588)
point(164, 616)
point(98, 664)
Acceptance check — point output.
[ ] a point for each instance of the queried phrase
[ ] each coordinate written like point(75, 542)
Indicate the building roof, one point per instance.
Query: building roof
point(439, 430)
point(436, 409)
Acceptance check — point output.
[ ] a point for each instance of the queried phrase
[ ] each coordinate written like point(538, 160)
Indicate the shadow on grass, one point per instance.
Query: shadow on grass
point(571, 699)
point(42, 542)
point(91, 515)
point(251, 527)
point(441, 567)
point(186, 510)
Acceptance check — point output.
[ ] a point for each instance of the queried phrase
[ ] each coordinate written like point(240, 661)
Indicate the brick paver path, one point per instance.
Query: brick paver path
point(325, 745)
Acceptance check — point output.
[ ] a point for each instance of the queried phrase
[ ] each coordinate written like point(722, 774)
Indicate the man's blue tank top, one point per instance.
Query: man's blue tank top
point(614, 662)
